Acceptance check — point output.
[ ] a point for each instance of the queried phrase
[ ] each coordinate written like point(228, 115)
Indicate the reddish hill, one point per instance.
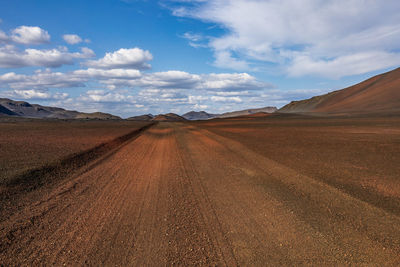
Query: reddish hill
point(378, 94)
point(145, 117)
point(168, 117)
point(250, 116)
point(247, 112)
point(257, 115)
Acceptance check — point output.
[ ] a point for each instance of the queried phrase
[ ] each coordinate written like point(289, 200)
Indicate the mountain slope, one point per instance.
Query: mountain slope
point(6, 112)
point(378, 94)
point(25, 109)
point(168, 117)
point(247, 112)
point(145, 117)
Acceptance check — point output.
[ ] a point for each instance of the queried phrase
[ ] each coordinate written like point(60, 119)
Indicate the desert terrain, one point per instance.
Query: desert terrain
point(264, 189)
point(30, 144)
point(199, 133)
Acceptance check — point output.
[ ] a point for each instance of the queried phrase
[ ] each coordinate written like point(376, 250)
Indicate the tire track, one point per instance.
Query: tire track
point(323, 214)
point(181, 195)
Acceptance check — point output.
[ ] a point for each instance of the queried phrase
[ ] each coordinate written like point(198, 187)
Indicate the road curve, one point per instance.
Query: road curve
point(181, 195)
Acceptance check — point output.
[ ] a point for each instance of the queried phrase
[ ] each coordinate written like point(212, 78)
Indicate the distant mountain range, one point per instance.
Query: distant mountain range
point(202, 115)
point(10, 107)
point(159, 117)
point(379, 94)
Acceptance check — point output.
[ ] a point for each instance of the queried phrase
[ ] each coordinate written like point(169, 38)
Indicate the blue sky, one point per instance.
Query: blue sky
point(133, 57)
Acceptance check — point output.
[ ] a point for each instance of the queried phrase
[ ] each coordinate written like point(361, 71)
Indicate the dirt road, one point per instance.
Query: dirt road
point(182, 195)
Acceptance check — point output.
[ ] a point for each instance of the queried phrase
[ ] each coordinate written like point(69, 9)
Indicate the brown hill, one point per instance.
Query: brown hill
point(146, 117)
point(247, 112)
point(257, 115)
point(97, 115)
point(379, 94)
point(168, 117)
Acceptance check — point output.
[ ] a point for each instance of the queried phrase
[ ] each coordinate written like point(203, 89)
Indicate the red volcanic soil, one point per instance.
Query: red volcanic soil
point(379, 94)
point(279, 190)
point(28, 144)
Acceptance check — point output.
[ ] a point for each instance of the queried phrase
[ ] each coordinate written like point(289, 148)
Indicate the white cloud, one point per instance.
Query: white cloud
point(196, 40)
point(30, 35)
point(200, 107)
point(226, 99)
point(232, 82)
point(11, 57)
point(194, 37)
point(170, 79)
point(187, 81)
point(106, 96)
point(41, 80)
point(108, 74)
point(224, 59)
point(284, 32)
point(35, 94)
point(3, 37)
point(133, 58)
point(243, 93)
point(192, 99)
point(343, 65)
point(72, 39)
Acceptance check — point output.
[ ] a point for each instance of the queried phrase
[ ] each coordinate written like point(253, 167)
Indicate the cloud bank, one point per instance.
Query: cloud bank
point(332, 38)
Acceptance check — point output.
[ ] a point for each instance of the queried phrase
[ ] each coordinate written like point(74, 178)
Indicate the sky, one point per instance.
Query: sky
point(132, 57)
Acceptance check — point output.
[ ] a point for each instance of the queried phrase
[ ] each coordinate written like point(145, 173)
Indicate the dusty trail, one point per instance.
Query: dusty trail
point(182, 195)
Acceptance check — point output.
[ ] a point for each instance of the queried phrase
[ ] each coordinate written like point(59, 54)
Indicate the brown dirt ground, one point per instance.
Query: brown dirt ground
point(29, 144)
point(212, 194)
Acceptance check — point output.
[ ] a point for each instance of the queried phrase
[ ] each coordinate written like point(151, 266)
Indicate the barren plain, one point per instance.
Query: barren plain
point(32, 143)
point(258, 190)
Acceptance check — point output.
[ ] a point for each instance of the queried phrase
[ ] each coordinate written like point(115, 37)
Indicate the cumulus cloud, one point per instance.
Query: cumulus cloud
point(35, 94)
point(30, 35)
point(187, 81)
point(224, 59)
point(72, 39)
point(131, 78)
point(3, 37)
point(41, 80)
point(232, 82)
point(343, 65)
point(237, 93)
point(170, 79)
point(284, 33)
point(12, 57)
point(124, 74)
point(226, 99)
point(106, 96)
point(133, 58)
point(199, 107)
